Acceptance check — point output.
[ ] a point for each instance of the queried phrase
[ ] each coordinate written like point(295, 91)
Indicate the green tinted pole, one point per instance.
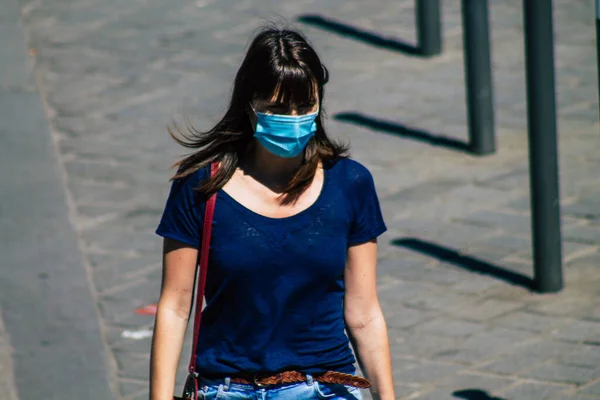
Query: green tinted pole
point(429, 27)
point(478, 76)
point(543, 153)
point(598, 42)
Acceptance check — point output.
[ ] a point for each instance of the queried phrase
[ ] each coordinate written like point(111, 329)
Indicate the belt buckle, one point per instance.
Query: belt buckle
point(256, 382)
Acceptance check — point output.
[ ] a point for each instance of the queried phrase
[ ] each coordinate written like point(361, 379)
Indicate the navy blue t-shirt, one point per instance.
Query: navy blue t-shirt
point(275, 286)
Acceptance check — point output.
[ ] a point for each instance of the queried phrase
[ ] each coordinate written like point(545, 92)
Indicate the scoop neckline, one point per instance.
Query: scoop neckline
point(245, 210)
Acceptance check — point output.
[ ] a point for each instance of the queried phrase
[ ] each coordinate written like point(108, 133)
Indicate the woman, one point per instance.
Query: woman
point(293, 247)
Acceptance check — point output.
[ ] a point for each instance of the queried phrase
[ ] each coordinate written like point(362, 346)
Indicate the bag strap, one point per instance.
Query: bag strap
point(203, 267)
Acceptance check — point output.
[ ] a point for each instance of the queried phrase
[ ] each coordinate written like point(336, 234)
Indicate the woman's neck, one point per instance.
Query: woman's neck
point(270, 170)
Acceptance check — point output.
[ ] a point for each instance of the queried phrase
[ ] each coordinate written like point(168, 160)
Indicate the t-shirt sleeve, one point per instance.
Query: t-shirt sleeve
point(367, 223)
point(182, 214)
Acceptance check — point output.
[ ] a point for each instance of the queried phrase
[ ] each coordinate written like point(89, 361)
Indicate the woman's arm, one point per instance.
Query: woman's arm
point(179, 267)
point(364, 319)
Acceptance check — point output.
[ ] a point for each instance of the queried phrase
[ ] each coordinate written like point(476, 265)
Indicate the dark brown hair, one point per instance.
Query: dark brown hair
point(277, 61)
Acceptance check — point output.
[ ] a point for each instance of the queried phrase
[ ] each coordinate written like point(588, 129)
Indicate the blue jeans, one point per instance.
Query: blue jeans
point(223, 389)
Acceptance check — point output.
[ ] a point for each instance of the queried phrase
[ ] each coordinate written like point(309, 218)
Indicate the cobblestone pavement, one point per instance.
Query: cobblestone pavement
point(456, 260)
point(7, 385)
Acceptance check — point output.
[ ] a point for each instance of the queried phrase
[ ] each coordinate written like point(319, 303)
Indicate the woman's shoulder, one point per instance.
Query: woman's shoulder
point(187, 186)
point(349, 170)
point(194, 178)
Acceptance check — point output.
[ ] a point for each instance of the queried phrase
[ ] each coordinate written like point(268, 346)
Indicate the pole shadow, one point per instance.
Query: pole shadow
point(474, 394)
point(463, 261)
point(403, 131)
point(359, 34)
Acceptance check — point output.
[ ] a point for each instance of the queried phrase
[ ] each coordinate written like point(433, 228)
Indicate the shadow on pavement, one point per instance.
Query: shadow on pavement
point(400, 130)
point(474, 394)
point(359, 34)
point(466, 262)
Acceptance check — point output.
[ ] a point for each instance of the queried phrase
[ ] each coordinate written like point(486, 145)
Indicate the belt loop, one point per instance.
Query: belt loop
point(309, 379)
point(227, 384)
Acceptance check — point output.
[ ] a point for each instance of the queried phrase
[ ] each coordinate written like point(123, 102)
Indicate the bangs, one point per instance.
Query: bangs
point(287, 85)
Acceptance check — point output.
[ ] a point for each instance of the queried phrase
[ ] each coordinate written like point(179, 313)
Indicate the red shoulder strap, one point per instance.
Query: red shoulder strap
point(203, 267)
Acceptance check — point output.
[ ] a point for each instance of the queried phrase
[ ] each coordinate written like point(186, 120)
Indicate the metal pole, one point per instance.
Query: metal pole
point(543, 153)
point(429, 27)
point(598, 42)
point(478, 75)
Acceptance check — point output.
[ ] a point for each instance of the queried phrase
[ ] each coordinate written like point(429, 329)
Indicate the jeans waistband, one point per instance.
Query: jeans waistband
point(226, 382)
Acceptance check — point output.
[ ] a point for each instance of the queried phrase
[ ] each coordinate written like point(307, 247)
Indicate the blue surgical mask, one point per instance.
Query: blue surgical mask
point(285, 135)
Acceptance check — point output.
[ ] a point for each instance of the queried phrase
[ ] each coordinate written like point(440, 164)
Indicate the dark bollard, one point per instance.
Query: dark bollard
point(543, 157)
point(429, 27)
point(478, 76)
point(598, 42)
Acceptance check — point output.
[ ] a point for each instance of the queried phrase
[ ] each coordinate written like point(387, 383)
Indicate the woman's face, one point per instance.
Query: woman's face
point(275, 105)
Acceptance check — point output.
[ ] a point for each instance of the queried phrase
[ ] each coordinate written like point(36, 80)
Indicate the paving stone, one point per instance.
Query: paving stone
point(520, 204)
point(569, 249)
point(477, 285)
point(548, 347)
point(532, 391)
point(569, 305)
point(423, 371)
point(386, 282)
point(99, 172)
point(589, 260)
point(508, 222)
point(485, 345)
point(530, 322)
point(582, 234)
point(563, 373)
point(118, 312)
point(395, 265)
point(470, 381)
point(136, 346)
point(99, 194)
point(579, 397)
point(117, 240)
point(132, 388)
point(407, 291)
point(101, 260)
point(593, 389)
point(8, 390)
point(121, 271)
point(509, 243)
point(423, 345)
point(401, 390)
point(441, 274)
point(584, 208)
point(583, 356)
point(449, 327)
point(399, 317)
point(140, 396)
point(513, 363)
point(132, 365)
point(487, 309)
point(439, 301)
point(436, 395)
point(580, 331)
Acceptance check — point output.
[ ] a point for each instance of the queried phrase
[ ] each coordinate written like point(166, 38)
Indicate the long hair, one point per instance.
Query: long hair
point(278, 61)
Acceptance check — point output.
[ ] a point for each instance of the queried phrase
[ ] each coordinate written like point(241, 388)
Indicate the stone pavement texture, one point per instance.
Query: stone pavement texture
point(7, 379)
point(49, 325)
point(455, 265)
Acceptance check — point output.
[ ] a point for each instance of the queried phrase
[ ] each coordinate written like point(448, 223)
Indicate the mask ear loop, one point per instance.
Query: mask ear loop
point(252, 108)
point(253, 118)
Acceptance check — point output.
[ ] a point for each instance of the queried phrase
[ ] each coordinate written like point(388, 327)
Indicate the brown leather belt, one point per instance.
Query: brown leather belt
point(296, 377)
